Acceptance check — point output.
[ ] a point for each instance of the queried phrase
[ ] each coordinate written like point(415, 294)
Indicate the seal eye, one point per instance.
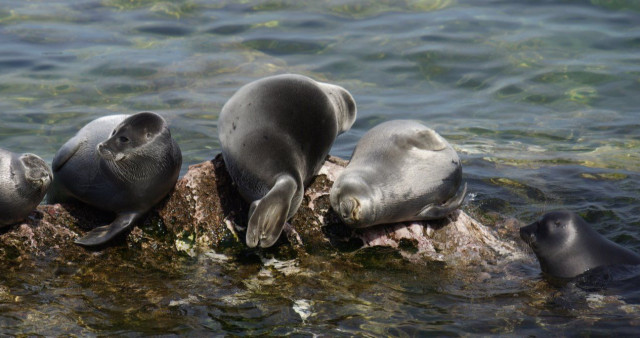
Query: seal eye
point(123, 139)
point(557, 223)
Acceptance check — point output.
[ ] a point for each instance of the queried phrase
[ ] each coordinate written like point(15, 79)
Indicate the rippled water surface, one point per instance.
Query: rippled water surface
point(540, 98)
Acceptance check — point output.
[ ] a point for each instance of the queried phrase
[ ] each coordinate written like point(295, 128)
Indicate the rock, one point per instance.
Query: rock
point(205, 212)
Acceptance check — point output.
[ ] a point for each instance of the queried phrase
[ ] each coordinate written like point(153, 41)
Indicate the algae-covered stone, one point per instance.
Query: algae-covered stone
point(205, 204)
point(205, 212)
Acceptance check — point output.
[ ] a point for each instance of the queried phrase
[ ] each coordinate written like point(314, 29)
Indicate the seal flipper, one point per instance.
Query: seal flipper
point(426, 139)
point(56, 193)
point(103, 234)
point(268, 214)
point(65, 153)
point(433, 211)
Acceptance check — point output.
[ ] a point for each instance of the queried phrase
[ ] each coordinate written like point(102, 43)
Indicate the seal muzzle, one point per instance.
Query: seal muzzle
point(527, 233)
point(350, 211)
point(108, 154)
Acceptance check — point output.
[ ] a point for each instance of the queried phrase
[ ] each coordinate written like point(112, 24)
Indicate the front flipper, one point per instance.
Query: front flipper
point(103, 234)
point(433, 211)
point(268, 215)
point(65, 153)
point(426, 139)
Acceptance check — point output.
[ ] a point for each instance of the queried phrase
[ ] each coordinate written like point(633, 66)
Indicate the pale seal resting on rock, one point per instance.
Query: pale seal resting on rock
point(120, 163)
point(24, 180)
point(400, 171)
point(275, 134)
point(566, 246)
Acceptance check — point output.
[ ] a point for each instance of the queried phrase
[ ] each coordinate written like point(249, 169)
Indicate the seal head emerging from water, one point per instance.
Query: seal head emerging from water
point(566, 246)
point(24, 180)
point(275, 134)
point(120, 163)
point(400, 171)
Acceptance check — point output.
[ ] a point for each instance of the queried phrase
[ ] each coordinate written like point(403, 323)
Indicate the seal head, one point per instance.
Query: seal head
point(132, 134)
point(566, 246)
point(135, 146)
point(24, 181)
point(37, 174)
point(352, 201)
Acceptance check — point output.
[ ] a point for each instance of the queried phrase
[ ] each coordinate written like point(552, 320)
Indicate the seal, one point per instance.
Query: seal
point(400, 171)
point(566, 246)
point(120, 163)
point(24, 180)
point(275, 134)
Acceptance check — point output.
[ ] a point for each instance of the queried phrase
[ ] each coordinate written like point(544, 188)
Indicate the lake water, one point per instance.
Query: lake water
point(540, 98)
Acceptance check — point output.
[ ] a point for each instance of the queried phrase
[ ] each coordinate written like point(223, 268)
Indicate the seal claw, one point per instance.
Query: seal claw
point(433, 211)
point(268, 215)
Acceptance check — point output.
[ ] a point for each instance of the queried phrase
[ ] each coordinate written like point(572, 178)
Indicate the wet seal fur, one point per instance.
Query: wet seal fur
point(400, 171)
point(24, 180)
point(120, 163)
point(275, 134)
point(566, 246)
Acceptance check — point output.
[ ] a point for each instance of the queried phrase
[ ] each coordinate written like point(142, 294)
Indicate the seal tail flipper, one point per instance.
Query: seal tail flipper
point(103, 234)
point(268, 214)
point(433, 211)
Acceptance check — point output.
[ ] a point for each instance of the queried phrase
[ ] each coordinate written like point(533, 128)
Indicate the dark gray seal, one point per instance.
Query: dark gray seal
point(120, 163)
point(24, 180)
point(400, 171)
point(275, 134)
point(566, 246)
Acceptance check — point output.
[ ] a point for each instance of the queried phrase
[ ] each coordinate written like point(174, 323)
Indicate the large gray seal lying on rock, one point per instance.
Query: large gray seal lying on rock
point(120, 163)
point(275, 134)
point(400, 171)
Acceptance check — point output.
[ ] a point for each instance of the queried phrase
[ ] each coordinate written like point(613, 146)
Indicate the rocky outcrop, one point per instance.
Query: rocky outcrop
point(205, 212)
